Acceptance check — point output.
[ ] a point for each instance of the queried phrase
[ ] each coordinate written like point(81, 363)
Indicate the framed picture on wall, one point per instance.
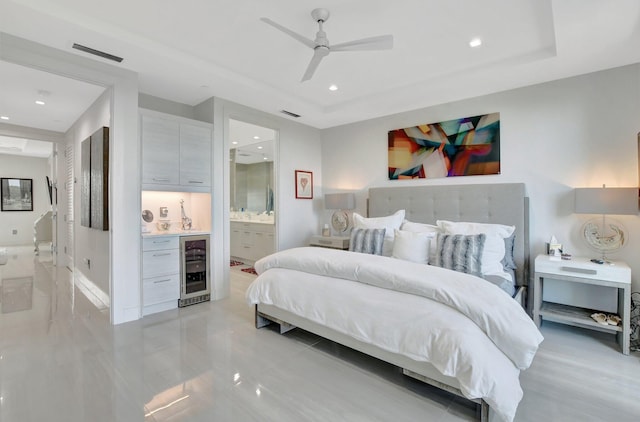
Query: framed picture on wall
point(17, 194)
point(304, 184)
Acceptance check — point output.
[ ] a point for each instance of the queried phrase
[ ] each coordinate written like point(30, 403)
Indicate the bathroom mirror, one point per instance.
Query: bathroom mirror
point(252, 173)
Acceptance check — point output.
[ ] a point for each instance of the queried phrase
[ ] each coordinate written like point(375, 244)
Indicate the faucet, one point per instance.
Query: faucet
point(186, 221)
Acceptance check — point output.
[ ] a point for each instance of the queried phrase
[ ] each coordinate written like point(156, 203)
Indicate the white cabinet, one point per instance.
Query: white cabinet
point(252, 241)
point(195, 155)
point(176, 153)
point(160, 151)
point(160, 273)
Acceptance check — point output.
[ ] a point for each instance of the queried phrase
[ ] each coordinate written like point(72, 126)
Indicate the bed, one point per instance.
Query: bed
point(478, 339)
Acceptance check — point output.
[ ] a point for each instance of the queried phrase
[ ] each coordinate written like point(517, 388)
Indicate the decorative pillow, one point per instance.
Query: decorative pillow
point(494, 247)
point(412, 246)
point(460, 252)
point(368, 241)
point(389, 223)
point(424, 228)
point(509, 263)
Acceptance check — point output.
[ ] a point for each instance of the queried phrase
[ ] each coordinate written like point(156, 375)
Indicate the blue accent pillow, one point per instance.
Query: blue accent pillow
point(460, 252)
point(367, 241)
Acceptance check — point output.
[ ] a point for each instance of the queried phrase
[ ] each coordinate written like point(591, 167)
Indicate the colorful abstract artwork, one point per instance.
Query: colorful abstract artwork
point(468, 146)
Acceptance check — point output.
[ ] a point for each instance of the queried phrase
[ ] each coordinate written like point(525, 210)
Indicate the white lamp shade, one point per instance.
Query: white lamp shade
point(617, 201)
point(340, 201)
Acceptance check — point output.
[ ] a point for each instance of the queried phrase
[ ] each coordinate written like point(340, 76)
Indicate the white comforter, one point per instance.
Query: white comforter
point(468, 329)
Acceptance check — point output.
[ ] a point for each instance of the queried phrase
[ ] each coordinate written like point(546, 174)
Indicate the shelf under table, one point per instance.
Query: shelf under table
point(574, 315)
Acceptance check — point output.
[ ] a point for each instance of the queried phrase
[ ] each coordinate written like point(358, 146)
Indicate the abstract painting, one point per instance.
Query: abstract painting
point(462, 147)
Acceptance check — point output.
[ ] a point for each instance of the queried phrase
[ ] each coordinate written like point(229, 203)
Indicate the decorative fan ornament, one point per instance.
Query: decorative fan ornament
point(340, 221)
point(604, 237)
point(321, 47)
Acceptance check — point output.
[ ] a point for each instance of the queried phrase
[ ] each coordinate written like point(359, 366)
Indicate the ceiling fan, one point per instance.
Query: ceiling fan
point(321, 47)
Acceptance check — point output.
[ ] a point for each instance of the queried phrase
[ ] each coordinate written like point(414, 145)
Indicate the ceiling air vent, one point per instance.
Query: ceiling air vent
point(288, 113)
point(97, 52)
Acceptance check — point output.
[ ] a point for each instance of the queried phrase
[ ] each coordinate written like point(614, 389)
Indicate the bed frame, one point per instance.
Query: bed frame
point(504, 203)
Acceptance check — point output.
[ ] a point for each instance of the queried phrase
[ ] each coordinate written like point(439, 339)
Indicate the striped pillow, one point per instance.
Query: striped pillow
point(460, 252)
point(367, 241)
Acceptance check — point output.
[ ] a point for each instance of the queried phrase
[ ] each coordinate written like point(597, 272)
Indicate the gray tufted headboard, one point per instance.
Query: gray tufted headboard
point(501, 203)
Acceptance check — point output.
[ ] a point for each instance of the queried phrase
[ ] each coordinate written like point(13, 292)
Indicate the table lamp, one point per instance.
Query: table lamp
point(601, 234)
point(341, 202)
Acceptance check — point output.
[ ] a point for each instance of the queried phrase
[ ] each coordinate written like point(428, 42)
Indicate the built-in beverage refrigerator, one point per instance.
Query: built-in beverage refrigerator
point(195, 285)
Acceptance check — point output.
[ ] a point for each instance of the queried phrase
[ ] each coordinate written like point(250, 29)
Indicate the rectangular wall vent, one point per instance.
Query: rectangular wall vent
point(288, 113)
point(97, 53)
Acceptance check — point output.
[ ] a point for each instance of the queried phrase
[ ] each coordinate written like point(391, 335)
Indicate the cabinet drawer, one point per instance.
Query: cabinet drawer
point(157, 243)
point(156, 263)
point(160, 289)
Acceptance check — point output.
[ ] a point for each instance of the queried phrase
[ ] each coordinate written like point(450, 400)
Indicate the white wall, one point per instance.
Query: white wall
point(38, 169)
point(576, 132)
point(90, 244)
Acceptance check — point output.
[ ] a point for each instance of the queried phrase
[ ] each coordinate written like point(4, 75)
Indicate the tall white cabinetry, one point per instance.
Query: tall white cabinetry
point(176, 153)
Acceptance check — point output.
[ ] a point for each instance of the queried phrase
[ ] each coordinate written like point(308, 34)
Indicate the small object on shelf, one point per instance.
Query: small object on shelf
point(326, 232)
point(597, 261)
point(163, 225)
point(566, 256)
point(600, 318)
point(613, 320)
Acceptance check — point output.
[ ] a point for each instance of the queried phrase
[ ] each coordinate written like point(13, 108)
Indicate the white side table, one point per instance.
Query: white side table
point(583, 271)
point(333, 242)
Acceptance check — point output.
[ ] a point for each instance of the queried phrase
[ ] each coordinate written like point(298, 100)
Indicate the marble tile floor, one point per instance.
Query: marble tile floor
point(60, 360)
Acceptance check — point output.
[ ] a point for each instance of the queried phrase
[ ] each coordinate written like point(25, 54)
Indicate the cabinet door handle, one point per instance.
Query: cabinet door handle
point(160, 179)
point(161, 241)
point(195, 181)
point(162, 281)
point(161, 254)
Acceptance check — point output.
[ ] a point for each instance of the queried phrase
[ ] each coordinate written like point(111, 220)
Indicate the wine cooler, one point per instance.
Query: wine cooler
point(195, 284)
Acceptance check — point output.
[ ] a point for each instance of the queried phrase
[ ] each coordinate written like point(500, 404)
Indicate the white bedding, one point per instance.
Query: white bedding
point(464, 326)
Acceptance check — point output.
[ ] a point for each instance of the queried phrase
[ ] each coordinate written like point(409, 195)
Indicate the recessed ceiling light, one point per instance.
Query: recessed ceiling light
point(476, 42)
point(235, 142)
point(256, 137)
point(259, 147)
point(4, 117)
point(39, 102)
point(264, 158)
point(333, 87)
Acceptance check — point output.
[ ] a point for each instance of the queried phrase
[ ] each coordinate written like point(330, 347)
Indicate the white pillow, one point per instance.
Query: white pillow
point(412, 246)
point(390, 223)
point(475, 228)
point(424, 228)
point(494, 250)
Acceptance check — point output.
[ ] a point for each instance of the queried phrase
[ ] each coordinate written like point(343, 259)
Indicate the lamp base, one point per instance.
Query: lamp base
point(340, 221)
point(604, 236)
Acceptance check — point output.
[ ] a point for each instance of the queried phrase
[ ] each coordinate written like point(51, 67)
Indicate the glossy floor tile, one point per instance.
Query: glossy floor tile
point(60, 360)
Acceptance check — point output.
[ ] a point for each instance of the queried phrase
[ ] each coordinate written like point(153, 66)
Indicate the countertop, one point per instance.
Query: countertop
point(174, 233)
point(246, 220)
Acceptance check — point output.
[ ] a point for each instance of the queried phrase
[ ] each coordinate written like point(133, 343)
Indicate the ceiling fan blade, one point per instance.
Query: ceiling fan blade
point(304, 40)
point(381, 42)
point(318, 54)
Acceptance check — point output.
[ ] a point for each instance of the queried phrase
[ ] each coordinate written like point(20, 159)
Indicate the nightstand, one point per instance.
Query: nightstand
point(582, 271)
point(333, 242)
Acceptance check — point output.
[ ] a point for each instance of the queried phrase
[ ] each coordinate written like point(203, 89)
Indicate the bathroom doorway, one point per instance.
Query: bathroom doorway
point(252, 192)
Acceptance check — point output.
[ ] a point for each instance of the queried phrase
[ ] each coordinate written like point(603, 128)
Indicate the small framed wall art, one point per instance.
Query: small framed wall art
point(17, 194)
point(304, 184)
